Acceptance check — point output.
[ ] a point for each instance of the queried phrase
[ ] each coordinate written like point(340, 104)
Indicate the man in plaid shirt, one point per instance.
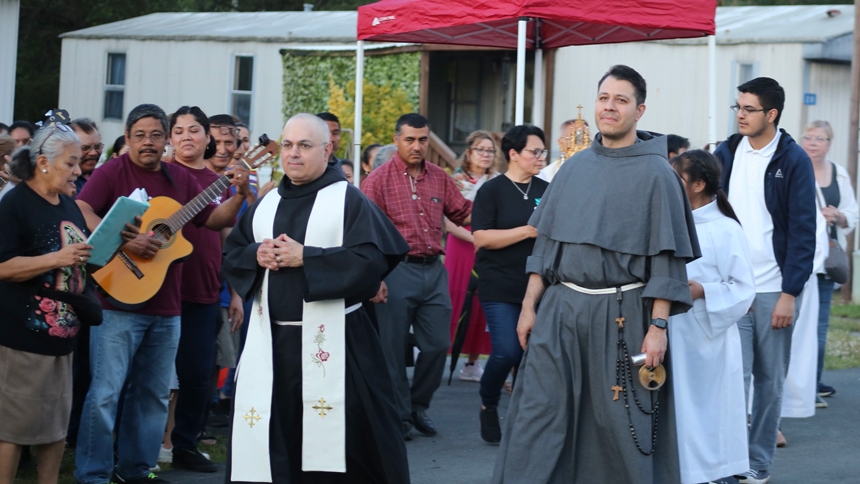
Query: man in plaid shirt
point(416, 195)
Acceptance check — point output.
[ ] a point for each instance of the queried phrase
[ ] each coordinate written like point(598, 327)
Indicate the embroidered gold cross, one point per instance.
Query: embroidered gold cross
point(321, 407)
point(616, 389)
point(252, 417)
point(620, 322)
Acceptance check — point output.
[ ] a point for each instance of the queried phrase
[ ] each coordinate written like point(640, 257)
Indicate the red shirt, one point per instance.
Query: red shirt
point(119, 177)
point(201, 271)
point(418, 220)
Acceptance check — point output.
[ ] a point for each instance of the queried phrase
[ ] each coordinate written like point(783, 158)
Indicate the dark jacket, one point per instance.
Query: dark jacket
point(789, 194)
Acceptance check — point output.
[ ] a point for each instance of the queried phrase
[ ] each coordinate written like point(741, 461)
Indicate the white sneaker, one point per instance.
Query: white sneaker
point(472, 372)
point(753, 477)
point(165, 455)
point(157, 468)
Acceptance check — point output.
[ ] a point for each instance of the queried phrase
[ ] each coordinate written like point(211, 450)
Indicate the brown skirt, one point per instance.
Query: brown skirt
point(35, 397)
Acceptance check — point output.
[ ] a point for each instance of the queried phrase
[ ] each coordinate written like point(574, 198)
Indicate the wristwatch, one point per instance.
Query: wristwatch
point(660, 323)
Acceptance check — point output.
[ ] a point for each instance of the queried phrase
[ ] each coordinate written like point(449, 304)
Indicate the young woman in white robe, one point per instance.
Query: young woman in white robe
point(704, 343)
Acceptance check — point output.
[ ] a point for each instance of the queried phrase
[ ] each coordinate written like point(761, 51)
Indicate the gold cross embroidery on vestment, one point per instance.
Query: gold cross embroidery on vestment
point(321, 407)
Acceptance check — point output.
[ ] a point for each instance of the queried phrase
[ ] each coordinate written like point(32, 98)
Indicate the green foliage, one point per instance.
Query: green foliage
point(390, 87)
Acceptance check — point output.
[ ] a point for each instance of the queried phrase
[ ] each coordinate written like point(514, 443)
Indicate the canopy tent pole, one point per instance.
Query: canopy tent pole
point(712, 94)
point(521, 70)
point(359, 100)
point(538, 98)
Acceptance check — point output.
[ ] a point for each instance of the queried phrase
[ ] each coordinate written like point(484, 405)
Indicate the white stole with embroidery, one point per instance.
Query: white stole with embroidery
point(323, 360)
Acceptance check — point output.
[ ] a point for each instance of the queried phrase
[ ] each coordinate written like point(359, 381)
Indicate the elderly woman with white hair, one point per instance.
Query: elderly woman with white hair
point(841, 213)
point(42, 272)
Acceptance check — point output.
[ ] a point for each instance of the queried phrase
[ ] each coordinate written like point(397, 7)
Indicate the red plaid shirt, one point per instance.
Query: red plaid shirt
point(419, 221)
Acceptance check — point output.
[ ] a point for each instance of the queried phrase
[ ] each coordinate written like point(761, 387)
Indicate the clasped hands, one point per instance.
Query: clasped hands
point(280, 252)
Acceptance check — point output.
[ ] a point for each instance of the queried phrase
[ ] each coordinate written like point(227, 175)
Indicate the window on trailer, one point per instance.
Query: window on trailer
point(114, 86)
point(243, 88)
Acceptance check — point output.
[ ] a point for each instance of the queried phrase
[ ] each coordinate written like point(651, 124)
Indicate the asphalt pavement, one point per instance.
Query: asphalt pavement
point(821, 449)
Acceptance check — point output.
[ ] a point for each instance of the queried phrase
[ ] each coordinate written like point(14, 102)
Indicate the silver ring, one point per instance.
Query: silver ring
point(239, 175)
point(81, 258)
point(278, 258)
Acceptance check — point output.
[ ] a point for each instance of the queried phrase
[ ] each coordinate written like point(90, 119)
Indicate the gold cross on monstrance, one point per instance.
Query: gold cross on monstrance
point(321, 407)
point(252, 417)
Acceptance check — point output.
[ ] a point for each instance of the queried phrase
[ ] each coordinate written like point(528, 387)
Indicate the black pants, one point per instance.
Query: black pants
point(195, 359)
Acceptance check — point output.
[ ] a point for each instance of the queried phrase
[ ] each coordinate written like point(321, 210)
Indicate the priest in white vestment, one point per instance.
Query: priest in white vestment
point(314, 403)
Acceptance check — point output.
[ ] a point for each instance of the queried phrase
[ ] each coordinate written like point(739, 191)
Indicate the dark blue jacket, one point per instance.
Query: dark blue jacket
point(789, 194)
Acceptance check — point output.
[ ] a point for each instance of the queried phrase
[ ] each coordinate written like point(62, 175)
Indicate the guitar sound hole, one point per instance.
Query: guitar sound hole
point(162, 232)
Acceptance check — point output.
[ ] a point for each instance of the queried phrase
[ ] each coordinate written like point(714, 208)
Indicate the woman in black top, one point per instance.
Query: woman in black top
point(504, 240)
point(42, 260)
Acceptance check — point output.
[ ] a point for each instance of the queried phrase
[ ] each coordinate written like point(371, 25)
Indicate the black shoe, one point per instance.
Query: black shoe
point(423, 423)
point(825, 390)
point(192, 460)
point(217, 417)
point(151, 478)
point(491, 431)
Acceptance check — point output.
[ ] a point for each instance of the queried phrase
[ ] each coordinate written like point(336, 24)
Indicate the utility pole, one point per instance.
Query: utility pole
point(853, 133)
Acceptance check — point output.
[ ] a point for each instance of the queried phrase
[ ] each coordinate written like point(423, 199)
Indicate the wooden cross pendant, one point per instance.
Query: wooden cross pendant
point(616, 389)
point(620, 321)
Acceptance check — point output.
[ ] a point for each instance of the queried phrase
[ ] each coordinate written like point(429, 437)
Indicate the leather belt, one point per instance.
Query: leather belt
point(430, 259)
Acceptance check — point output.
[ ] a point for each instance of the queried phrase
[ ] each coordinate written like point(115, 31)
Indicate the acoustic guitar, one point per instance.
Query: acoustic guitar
point(129, 280)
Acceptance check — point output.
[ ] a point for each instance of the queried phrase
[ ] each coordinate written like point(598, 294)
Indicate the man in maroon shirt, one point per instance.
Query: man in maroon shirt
point(137, 347)
point(416, 195)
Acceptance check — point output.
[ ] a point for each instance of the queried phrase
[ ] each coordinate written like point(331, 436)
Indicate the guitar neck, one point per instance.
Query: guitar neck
point(198, 203)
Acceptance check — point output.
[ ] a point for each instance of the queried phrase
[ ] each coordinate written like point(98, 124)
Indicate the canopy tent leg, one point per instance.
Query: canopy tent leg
point(712, 94)
point(538, 102)
point(521, 70)
point(359, 100)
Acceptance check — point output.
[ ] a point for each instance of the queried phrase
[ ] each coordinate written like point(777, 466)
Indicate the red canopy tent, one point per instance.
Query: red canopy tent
point(522, 24)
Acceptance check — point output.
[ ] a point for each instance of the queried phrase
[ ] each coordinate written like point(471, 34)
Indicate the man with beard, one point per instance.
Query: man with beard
point(91, 148)
point(607, 279)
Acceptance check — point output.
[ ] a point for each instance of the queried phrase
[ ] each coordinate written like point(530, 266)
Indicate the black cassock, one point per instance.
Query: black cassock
point(372, 247)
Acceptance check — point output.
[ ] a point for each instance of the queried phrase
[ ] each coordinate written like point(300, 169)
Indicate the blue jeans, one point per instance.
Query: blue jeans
point(194, 362)
point(825, 296)
point(506, 351)
point(138, 348)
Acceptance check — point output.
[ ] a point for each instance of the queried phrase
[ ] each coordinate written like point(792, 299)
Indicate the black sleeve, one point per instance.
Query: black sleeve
point(12, 241)
point(484, 210)
point(343, 272)
point(240, 266)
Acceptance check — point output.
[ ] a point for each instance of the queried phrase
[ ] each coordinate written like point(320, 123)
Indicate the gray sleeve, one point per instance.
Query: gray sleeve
point(668, 280)
point(542, 259)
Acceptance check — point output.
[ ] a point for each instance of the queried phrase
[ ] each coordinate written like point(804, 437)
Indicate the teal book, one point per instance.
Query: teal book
point(107, 237)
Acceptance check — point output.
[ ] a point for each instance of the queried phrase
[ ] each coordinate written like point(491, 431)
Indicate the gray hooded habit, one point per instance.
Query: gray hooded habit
point(610, 217)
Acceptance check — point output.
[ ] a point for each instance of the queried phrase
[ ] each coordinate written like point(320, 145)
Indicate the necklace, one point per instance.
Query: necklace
point(525, 193)
point(412, 185)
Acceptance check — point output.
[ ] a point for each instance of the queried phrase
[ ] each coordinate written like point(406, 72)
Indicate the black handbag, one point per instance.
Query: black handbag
point(836, 264)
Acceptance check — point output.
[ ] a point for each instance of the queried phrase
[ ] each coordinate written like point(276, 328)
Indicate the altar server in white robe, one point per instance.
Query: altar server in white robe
point(707, 369)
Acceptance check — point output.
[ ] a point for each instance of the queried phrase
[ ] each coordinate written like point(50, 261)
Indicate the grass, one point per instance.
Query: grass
point(27, 474)
point(843, 351)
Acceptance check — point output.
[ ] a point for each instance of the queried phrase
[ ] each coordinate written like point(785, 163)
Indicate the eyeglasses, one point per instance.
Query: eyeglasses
point(155, 137)
point(745, 110)
point(225, 129)
point(817, 139)
point(304, 146)
point(97, 147)
point(539, 153)
point(54, 127)
point(482, 151)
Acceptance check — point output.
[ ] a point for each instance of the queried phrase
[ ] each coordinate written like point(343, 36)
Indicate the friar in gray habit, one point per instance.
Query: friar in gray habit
point(615, 232)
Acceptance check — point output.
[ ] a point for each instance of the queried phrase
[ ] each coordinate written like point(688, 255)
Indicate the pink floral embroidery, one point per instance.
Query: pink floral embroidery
point(51, 319)
point(321, 356)
point(47, 305)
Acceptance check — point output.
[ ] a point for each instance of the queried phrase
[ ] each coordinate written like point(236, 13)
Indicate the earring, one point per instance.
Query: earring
point(44, 170)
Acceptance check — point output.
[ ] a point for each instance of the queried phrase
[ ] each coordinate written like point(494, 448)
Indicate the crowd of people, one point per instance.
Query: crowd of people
point(638, 299)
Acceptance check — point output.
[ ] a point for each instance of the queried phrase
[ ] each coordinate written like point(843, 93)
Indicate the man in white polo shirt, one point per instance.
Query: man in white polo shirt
point(771, 186)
